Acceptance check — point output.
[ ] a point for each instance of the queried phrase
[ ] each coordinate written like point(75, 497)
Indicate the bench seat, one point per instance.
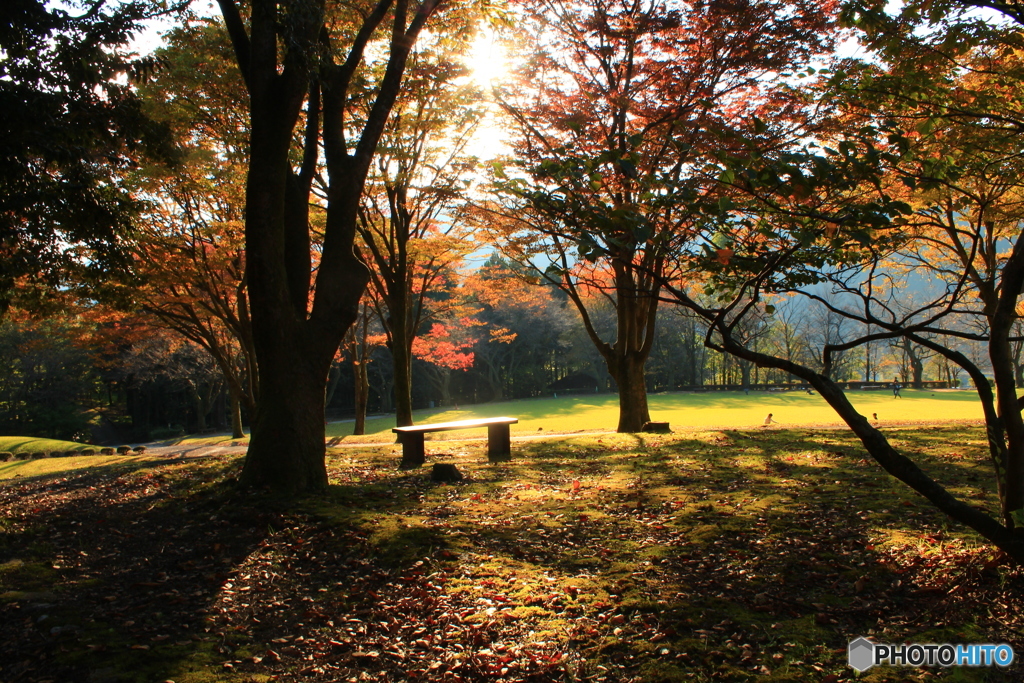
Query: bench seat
point(499, 440)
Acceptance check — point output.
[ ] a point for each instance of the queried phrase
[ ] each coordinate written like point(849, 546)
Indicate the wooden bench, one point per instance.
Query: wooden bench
point(499, 442)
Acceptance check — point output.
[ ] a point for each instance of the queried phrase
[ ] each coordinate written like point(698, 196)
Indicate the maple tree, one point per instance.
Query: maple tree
point(301, 62)
point(617, 105)
point(522, 328)
point(360, 342)
point(446, 347)
point(165, 384)
point(47, 376)
point(72, 127)
point(189, 246)
point(409, 223)
point(924, 180)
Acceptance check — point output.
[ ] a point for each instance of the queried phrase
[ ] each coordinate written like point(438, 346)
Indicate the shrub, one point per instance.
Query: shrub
point(106, 451)
point(70, 454)
point(140, 449)
point(22, 455)
point(40, 454)
point(6, 455)
point(88, 451)
point(124, 450)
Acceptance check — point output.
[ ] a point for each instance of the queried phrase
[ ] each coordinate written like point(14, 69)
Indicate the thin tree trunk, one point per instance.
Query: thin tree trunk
point(236, 417)
point(200, 410)
point(362, 396)
point(401, 354)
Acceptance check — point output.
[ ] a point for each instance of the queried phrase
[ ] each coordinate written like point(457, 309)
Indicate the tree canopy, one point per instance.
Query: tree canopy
point(72, 126)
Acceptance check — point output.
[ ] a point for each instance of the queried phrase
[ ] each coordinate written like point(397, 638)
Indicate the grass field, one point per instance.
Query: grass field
point(736, 554)
point(52, 466)
point(683, 410)
point(31, 444)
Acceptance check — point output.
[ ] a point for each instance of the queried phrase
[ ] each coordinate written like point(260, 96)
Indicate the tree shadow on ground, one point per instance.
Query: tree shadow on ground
point(735, 556)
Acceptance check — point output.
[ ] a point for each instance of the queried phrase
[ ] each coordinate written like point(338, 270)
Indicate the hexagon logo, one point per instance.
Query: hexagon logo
point(861, 654)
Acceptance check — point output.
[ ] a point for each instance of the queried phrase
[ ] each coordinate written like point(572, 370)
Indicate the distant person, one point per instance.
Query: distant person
point(874, 416)
point(896, 389)
point(769, 421)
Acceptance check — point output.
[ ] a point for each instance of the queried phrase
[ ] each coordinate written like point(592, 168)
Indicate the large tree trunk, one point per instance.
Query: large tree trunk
point(629, 378)
point(636, 307)
point(287, 448)
point(286, 70)
point(495, 384)
point(916, 364)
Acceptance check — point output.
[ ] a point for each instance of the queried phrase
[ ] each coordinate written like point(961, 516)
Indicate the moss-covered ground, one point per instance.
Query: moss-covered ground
point(716, 555)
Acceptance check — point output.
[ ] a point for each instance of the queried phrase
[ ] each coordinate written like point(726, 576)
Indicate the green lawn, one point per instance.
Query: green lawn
point(683, 410)
point(31, 444)
point(48, 466)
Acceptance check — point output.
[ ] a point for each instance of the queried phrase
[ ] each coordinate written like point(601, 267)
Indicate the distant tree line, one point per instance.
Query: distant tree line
point(125, 378)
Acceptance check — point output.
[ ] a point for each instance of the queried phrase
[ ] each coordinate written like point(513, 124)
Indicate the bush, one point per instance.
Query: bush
point(88, 451)
point(140, 449)
point(106, 451)
point(70, 454)
point(124, 450)
point(6, 456)
point(40, 454)
point(22, 455)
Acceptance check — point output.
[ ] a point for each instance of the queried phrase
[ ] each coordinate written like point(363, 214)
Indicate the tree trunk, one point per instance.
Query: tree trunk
point(629, 378)
point(333, 376)
point(362, 396)
point(287, 448)
point(401, 354)
point(236, 417)
point(200, 409)
point(894, 462)
point(916, 365)
point(496, 386)
point(294, 342)
point(636, 306)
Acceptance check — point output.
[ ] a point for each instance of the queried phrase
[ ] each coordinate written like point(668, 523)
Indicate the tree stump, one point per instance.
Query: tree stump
point(657, 427)
point(445, 472)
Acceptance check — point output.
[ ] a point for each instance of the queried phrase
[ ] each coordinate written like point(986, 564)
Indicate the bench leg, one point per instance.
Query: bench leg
point(499, 443)
point(413, 452)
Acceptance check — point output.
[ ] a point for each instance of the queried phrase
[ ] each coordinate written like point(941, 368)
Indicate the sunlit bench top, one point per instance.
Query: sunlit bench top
point(457, 424)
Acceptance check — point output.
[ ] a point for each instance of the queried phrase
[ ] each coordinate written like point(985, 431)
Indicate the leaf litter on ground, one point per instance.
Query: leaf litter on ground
point(735, 556)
